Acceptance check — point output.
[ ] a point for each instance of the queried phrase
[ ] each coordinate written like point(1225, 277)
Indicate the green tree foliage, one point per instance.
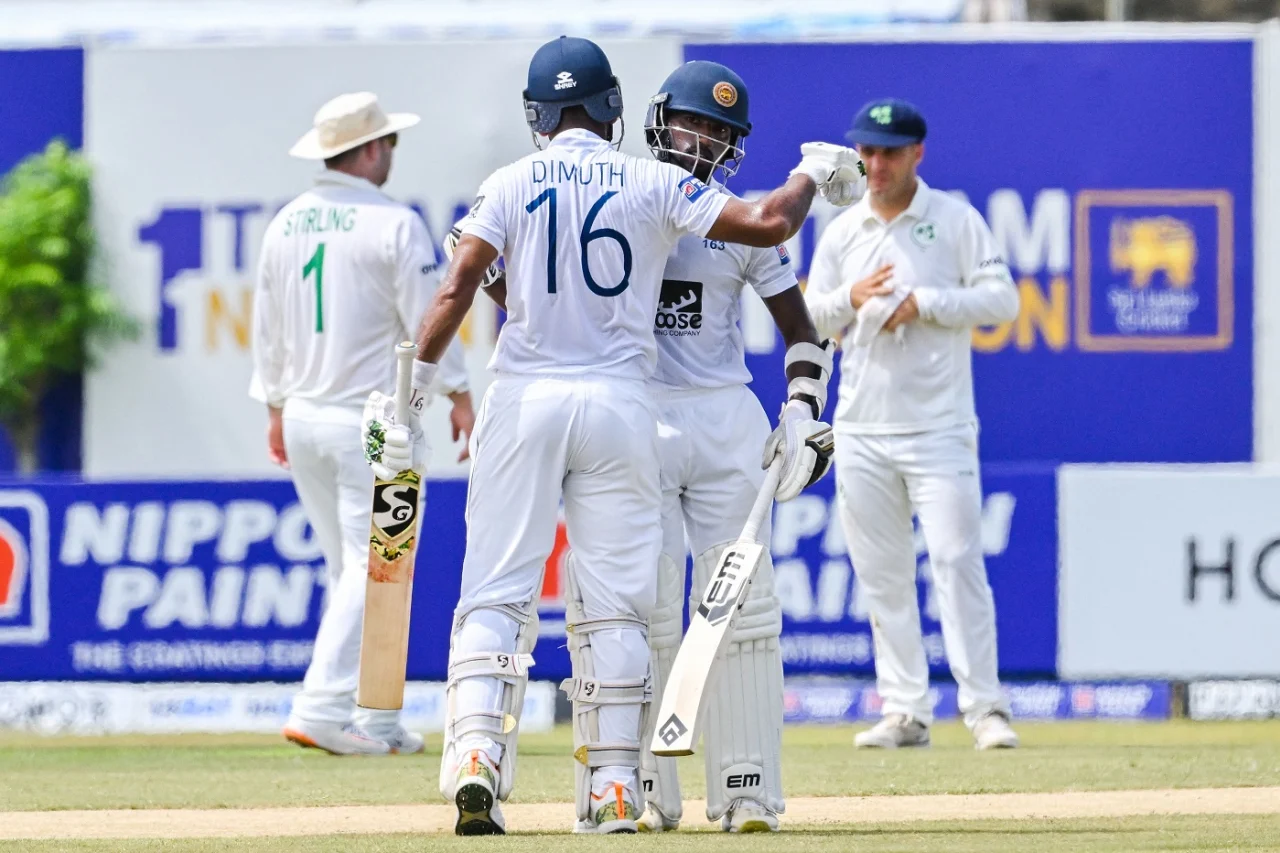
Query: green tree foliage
point(54, 320)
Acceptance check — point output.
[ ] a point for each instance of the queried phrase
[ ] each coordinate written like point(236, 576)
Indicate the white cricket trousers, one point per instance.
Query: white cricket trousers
point(881, 480)
point(593, 444)
point(711, 441)
point(335, 486)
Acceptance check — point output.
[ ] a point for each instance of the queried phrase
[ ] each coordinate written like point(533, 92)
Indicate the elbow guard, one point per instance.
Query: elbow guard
point(819, 356)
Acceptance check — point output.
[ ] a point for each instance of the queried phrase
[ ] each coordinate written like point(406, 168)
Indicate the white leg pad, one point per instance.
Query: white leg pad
point(742, 730)
point(609, 713)
point(494, 681)
point(658, 774)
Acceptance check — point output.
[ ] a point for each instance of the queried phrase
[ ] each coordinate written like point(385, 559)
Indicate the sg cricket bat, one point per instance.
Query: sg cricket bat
point(384, 646)
point(678, 716)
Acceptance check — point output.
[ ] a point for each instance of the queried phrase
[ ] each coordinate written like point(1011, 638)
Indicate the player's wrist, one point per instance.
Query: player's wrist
point(424, 373)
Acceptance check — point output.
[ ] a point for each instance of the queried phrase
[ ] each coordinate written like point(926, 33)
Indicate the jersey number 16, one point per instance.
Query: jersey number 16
point(548, 196)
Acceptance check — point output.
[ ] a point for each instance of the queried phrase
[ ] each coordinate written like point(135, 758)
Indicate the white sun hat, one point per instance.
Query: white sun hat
point(347, 122)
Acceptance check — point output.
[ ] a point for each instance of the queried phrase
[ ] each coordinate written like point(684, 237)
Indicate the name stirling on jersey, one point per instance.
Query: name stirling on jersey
point(679, 308)
point(604, 173)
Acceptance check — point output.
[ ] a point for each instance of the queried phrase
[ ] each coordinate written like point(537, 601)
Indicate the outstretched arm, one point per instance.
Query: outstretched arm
point(832, 170)
point(769, 221)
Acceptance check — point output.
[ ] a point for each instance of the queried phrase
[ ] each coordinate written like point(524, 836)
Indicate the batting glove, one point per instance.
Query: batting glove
point(837, 171)
point(805, 446)
point(389, 447)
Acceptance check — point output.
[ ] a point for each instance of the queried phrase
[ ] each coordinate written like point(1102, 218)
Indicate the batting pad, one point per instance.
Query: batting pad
point(658, 774)
point(597, 645)
point(742, 730)
point(505, 675)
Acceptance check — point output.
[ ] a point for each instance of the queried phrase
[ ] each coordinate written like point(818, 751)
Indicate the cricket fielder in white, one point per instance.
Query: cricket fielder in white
point(584, 232)
point(710, 432)
point(345, 274)
point(903, 277)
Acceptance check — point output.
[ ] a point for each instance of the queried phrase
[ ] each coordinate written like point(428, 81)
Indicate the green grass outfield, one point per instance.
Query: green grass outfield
point(209, 772)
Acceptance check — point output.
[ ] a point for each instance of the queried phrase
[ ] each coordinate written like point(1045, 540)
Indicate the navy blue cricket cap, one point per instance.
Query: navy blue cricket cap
point(568, 69)
point(889, 123)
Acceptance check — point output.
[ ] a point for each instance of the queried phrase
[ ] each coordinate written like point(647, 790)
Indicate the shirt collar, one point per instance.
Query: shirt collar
point(579, 137)
point(916, 210)
point(330, 176)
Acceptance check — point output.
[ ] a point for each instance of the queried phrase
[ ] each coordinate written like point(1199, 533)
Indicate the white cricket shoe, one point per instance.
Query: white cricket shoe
point(333, 738)
point(746, 815)
point(994, 732)
point(474, 795)
point(653, 820)
point(894, 731)
point(404, 742)
point(613, 811)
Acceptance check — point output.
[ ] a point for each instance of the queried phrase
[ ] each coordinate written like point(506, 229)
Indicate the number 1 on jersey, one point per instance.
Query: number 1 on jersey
point(548, 195)
point(316, 264)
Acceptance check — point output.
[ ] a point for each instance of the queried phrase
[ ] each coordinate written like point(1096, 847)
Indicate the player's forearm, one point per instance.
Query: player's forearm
point(989, 301)
point(444, 318)
point(770, 221)
point(784, 210)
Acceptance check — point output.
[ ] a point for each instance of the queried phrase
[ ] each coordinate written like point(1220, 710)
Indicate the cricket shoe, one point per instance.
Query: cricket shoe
point(404, 742)
point(994, 732)
point(894, 731)
point(333, 738)
point(653, 820)
point(746, 815)
point(613, 812)
point(478, 809)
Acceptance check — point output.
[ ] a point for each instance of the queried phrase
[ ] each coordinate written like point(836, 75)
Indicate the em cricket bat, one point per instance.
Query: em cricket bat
point(384, 645)
point(678, 716)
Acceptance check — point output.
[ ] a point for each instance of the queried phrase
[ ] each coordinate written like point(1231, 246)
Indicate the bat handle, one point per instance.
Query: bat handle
point(764, 501)
point(405, 353)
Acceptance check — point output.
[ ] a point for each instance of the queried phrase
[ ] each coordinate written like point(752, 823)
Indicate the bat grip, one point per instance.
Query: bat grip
point(405, 353)
point(764, 501)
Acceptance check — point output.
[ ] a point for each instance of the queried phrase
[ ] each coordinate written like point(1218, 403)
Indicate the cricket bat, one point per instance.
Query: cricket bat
point(384, 644)
point(678, 716)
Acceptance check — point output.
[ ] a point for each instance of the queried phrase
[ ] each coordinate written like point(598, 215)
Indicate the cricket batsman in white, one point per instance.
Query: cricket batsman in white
point(902, 278)
point(711, 429)
point(345, 274)
point(584, 232)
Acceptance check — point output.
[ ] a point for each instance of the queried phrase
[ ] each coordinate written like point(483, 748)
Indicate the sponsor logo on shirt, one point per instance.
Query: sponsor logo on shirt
point(679, 308)
point(784, 257)
point(691, 188)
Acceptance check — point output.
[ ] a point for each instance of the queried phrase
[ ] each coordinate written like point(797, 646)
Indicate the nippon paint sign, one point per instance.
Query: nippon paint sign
point(155, 581)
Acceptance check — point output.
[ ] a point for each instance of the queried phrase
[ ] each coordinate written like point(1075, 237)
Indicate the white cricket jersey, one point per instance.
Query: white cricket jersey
point(585, 232)
point(345, 274)
point(696, 324)
point(944, 253)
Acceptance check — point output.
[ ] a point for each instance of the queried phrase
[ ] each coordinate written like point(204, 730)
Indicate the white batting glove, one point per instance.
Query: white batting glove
point(805, 446)
point(491, 275)
point(389, 447)
point(837, 171)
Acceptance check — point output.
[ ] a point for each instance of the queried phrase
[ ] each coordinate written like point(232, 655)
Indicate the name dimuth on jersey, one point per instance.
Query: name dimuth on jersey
point(559, 172)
